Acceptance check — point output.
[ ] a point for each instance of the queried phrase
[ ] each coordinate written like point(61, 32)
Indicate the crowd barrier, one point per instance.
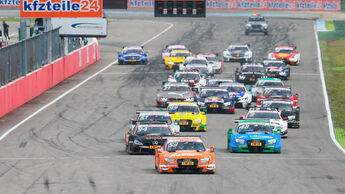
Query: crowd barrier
point(294, 5)
point(26, 88)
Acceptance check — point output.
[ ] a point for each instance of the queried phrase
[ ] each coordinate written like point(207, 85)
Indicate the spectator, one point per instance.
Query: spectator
point(5, 26)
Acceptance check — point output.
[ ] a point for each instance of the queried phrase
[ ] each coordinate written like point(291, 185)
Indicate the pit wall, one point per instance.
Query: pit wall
point(26, 88)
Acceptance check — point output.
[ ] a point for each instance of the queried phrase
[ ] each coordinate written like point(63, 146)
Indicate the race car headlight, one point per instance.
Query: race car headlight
point(282, 73)
point(248, 54)
point(226, 53)
point(201, 103)
point(169, 159)
point(190, 99)
point(227, 104)
point(164, 99)
point(291, 117)
point(137, 142)
point(264, 25)
point(242, 77)
point(170, 63)
point(248, 25)
point(239, 141)
point(205, 159)
point(197, 120)
point(271, 141)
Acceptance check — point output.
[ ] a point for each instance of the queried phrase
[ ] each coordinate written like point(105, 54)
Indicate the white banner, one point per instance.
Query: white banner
point(83, 27)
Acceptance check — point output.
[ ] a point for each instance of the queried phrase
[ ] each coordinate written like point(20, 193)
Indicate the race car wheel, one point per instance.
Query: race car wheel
point(128, 149)
point(246, 33)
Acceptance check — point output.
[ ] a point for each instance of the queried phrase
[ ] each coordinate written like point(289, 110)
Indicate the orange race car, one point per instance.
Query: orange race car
point(185, 154)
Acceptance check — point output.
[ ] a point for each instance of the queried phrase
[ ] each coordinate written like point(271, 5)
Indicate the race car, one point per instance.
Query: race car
point(215, 99)
point(258, 88)
point(286, 53)
point(238, 53)
point(253, 136)
point(197, 63)
point(286, 110)
point(272, 115)
point(146, 137)
point(242, 97)
point(176, 58)
point(132, 55)
point(256, 23)
point(193, 78)
point(148, 116)
point(216, 82)
point(185, 154)
point(278, 93)
point(188, 116)
point(174, 92)
point(276, 68)
point(168, 48)
point(212, 59)
point(250, 73)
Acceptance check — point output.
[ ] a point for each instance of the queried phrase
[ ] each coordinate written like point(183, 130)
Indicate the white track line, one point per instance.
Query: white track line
point(323, 82)
point(75, 87)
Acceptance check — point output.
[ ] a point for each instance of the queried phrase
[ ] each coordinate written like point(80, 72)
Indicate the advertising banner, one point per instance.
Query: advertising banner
point(9, 3)
point(86, 27)
point(61, 8)
point(306, 5)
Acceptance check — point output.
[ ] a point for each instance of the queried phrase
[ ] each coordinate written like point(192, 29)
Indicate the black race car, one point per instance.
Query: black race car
point(276, 68)
point(292, 115)
point(216, 99)
point(250, 73)
point(147, 136)
point(256, 23)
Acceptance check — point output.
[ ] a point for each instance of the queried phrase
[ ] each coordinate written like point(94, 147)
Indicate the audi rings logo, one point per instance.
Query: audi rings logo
point(155, 142)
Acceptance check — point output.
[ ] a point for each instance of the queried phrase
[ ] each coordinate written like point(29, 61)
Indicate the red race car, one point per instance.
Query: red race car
point(286, 53)
point(278, 93)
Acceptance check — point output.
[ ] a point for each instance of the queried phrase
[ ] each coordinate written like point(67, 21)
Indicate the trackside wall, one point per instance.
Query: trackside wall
point(30, 86)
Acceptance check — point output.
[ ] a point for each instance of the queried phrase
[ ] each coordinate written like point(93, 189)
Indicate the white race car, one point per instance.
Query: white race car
point(212, 59)
point(193, 78)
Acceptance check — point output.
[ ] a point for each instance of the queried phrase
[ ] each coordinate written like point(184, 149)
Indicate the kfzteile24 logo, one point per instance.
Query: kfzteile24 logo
point(61, 8)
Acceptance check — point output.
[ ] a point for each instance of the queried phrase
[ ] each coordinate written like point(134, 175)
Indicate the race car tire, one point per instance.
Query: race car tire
point(246, 33)
point(128, 149)
point(120, 63)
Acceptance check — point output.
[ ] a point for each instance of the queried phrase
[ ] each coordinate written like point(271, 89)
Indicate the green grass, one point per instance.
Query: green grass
point(32, 20)
point(343, 6)
point(332, 45)
point(330, 25)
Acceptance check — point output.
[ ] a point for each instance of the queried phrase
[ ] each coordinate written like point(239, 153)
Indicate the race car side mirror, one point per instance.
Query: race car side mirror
point(241, 117)
point(250, 88)
point(131, 121)
point(230, 131)
point(212, 148)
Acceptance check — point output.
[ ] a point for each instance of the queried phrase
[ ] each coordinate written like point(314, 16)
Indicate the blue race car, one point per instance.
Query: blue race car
point(253, 136)
point(132, 55)
point(242, 97)
point(215, 99)
point(276, 68)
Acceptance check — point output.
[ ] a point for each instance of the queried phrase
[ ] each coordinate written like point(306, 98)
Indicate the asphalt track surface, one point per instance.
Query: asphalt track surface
point(77, 144)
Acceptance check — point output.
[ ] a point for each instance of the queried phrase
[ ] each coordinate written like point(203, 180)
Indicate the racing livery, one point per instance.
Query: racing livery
point(216, 82)
point(132, 55)
point(276, 68)
point(193, 78)
point(250, 73)
point(197, 63)
point(258, 88)
point(215, 99)
point(174, 92)
point(256, 23)
point(168, 48)
point(212, 59)
point(253, 136)
point(278, 93)
point(185, 154)
point(188, 116)
point(176, 58)
point(286, 53)
point(146, 137)
point(242, 97)
point(238, 53)
point(148, 116)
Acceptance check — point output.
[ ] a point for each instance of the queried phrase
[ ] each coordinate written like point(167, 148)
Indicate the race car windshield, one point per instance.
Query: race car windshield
point(183, 108)
point(200, 69)
point(185, 145)
point(244, 128)
point(179, 54)
point(214, 93)
point(273, 64)
point(280, 106)
point(159, 118)
point(197, 61)
point(176, 49)
point(159, 130)
point(188, 76)
point(256, 19)
point(283, 51)
point(277, 92)
point(236, 89)
point(211, 58)
point(217, 82)
point(252, 69)
point(263, 115)
point(243, 49)
point(132, 51)
point(270, 84)
point(176, 88)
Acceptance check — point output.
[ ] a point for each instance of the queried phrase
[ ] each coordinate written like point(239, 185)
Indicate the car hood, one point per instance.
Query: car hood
point(274, 69)
point(180, 154)
point(214, 99)
point(177, 94)
point(184, 115)
point(132, 55)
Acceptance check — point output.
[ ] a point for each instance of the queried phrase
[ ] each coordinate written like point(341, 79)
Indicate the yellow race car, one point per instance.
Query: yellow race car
point(188, 116)
point(176, 58)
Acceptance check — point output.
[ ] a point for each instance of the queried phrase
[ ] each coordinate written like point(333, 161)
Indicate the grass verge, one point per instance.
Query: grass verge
point(332, 45)
point(342, 6)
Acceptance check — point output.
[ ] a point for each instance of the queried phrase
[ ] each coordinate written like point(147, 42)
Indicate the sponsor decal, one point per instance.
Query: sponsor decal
point(140, 4)
point(9, 3)
point(61, 8)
